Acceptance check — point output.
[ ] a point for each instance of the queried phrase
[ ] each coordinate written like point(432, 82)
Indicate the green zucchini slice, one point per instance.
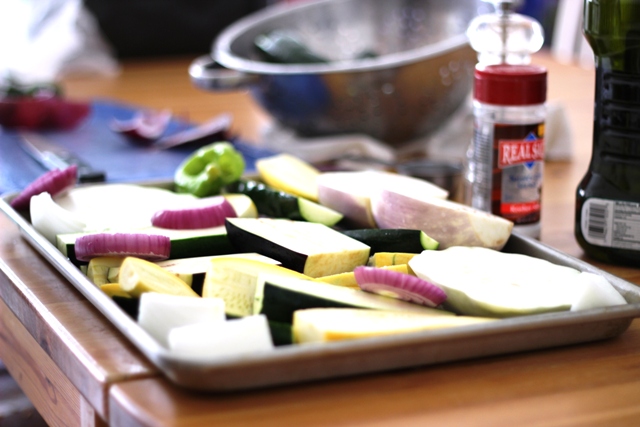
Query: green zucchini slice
point(313, 249)
point(279, 297)
point(393, 240)
point(184, 243)
point(280, 204)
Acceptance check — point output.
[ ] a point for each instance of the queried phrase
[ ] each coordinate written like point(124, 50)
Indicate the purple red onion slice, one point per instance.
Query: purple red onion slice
point(399, 285)
point(53, 182)
point(144, 127)
point(151, 247)
point(210, 212)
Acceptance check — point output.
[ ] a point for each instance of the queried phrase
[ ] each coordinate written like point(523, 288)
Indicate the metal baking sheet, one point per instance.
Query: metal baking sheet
point(309, 362)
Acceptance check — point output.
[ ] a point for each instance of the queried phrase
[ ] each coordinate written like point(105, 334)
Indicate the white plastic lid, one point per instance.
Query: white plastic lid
point(505, 36)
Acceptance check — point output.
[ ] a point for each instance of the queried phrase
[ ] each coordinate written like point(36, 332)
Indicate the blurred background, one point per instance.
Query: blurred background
point(40, 40)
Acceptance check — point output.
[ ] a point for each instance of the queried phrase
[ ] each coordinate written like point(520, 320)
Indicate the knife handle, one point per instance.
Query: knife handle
point(85, 172)
point(86, 175)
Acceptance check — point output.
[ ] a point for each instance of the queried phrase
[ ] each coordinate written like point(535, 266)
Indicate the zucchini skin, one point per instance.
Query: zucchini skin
point(131, 306)
point(388, 240)
point(246, 241)
point(181, 246)
point(198, 246)
point(281, 333)
point(279, 303)
point(269, 201)
point(198, 282)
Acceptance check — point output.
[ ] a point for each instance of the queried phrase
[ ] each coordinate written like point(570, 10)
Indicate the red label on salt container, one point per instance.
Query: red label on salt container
point(518, 156)
point(513, 152)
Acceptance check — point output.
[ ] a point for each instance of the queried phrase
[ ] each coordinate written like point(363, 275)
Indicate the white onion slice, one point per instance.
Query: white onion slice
point(208, 341)
point(97, 204)
point(399, 285)
point(351, 192)
point(51, 219)
point(151, 247)
point(53, 182)
point(450, 223)
point(211, 214)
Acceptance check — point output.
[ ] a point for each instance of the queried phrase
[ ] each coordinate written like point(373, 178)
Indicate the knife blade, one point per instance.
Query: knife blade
point(53, 156)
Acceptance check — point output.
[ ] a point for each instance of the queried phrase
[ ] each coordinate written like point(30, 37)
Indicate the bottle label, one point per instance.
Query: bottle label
point(611, 223)
point(518, 159)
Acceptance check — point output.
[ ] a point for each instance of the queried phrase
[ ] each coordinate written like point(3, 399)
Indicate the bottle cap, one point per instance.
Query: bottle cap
point(506, 84)
point(505, 36)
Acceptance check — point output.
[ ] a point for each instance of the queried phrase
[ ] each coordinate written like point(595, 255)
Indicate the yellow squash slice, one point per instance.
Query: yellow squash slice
point(138, 276)
point(235, 280)
point(290, 174)
point(336, 324)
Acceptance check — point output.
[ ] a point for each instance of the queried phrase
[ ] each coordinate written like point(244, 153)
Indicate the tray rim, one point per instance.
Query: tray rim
point(205, 375)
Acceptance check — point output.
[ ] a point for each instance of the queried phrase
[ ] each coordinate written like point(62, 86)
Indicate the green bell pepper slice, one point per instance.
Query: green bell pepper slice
point(208, 169)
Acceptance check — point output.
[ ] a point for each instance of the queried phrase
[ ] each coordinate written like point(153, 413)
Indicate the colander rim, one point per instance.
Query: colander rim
point(223, 54)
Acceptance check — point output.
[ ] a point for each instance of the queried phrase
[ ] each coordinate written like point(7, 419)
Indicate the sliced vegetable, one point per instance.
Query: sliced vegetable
point(283, 47)
point(450, 223)
point(144, 127)
point(192, 270)
point(348, 279)
point(113, 276)
point(53, 182)
point(215, 129)
point(279, 204)
point(159, 313)
point(486, 282)
point(383, 259)
point(212, 213)
point(242, 205)
point(213, 340)
point(138, 276)
point(141, 202)
point(278, 297)
point(201, 242)
point(128, 304)
point(314, 212)
point(99, 268)
point(310, 248)
point(120, 206)
point(51, 219)
point(114, 290)
point(281, 333)
point(195, 265)
point(42, 113)
point(350, 193)
point(148, 246)
point(184, 243)
point(289, 174)
point(235, 280)
point(398, 240)
point(207, 170)
point(399, 285)
point(336, 324)
point(595, 291)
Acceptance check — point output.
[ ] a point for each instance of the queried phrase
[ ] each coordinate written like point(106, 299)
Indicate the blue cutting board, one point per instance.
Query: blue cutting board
point(94, 142)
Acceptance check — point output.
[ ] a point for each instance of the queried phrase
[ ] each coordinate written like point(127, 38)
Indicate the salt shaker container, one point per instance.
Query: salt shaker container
point(505, 161)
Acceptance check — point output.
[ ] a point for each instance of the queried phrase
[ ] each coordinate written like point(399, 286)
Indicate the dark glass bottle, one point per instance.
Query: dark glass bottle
point(607, 220)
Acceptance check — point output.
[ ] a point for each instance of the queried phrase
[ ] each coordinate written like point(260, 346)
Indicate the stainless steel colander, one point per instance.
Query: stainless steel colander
point(422, 71)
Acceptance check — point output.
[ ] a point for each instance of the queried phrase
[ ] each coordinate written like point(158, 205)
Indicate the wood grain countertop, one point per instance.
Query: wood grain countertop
point(78, 370)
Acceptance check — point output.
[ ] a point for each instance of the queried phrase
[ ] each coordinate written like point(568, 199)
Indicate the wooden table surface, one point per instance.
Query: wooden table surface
point(78, 370)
